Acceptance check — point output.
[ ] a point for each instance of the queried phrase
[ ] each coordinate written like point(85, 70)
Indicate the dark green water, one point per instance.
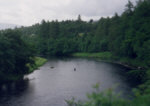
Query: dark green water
point(57, 80)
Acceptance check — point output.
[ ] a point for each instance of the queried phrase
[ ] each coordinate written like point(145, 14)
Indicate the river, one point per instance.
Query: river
point(61, 79)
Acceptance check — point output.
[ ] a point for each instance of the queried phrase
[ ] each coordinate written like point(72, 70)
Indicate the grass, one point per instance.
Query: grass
point(39, 61)
point(109, 57)
point(101, 55)
point(16, 77)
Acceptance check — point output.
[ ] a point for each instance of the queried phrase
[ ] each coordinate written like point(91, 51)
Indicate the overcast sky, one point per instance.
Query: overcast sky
point(28, 12)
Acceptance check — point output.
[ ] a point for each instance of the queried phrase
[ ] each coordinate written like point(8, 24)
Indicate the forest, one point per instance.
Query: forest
point(125, 37)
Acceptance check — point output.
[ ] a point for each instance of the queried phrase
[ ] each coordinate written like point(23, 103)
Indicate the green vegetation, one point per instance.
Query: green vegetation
point(14, 55)
point(109, 98)
point(126, 37)
point(101, 55)
point(38, 61)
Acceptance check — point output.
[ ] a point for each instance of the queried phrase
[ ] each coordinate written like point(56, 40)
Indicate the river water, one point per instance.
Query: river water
point(61, 79)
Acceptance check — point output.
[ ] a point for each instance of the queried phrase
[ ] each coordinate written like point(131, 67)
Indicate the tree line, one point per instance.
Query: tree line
point(126, 35)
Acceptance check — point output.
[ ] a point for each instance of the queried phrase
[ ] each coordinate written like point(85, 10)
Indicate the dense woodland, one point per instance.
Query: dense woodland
point(14, 56)
point(125, 36)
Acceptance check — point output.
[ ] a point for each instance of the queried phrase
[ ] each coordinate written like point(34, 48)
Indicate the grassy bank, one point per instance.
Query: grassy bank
point(16, 77)
point(39, 61)
point(101, 55)
point(104, 56)
point(109, 57)
point(137, 73)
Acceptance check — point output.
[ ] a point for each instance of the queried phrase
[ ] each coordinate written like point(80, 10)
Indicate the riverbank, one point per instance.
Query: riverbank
point(133, 64)
point(109, 57)
point(38, 61)
point(101, 55)
point(140, 72)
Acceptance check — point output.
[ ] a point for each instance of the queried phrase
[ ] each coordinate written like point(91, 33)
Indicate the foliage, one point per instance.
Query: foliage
point(137, 76)
point(14, 55)
point(39, 61)
point(126, 36)
point(109, 98)
point(101, 55)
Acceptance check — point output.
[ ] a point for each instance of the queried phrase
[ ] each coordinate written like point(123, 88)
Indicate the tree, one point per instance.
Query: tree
point(15, 54)
point(79, 18)
point(129, 7)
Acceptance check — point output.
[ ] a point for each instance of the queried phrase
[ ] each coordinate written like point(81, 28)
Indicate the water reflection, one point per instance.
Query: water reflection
point(14, 87)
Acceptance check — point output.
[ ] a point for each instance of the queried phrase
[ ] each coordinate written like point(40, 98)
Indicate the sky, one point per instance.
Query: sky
point(29, 12)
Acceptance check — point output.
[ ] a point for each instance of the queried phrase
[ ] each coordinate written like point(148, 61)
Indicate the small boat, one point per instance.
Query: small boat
point(74, 69)
point(51, 67)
